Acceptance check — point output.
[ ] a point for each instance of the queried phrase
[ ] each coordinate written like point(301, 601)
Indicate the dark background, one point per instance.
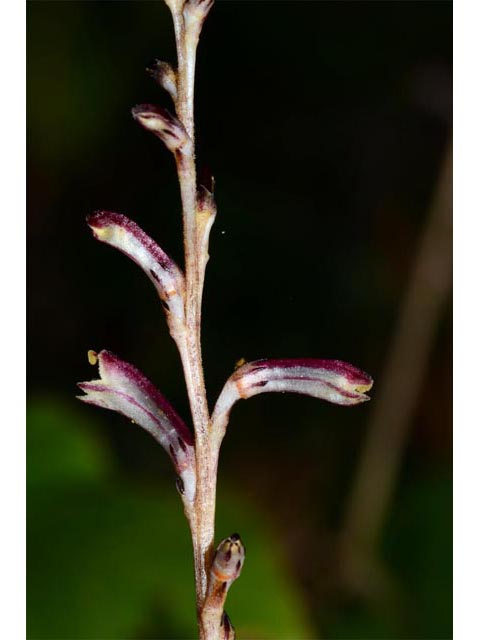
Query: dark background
point(326, 125)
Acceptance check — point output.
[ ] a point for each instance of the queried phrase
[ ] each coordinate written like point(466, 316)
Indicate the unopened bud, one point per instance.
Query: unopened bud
point(226, 567)
point(228, 561)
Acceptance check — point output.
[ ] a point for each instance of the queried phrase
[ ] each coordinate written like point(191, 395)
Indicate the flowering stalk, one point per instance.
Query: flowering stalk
point(121, 387)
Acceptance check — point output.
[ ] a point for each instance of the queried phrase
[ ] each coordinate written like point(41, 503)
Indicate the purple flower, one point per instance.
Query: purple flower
point(123, 388)
point(165, 126)
point(122, 233)
point(330, 380)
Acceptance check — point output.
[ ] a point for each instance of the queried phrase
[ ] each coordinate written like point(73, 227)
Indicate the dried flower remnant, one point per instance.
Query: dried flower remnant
point(165, 76)
point(124, 389)
point(206, 214)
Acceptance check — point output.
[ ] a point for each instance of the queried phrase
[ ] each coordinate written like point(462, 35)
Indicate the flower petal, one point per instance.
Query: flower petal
point(331, 380)
point(122, 233)
point(123, 388)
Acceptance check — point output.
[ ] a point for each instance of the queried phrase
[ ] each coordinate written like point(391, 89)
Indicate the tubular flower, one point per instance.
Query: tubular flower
point(124, 389)
point(165, 126)
point(331, 380)
point(122, 233)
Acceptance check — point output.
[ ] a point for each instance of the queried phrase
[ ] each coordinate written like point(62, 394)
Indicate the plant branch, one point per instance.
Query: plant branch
point(188, 20)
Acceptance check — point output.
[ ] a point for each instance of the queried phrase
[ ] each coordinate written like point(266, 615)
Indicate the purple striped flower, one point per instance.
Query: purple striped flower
point(122, 233)
point(331, 380)
point(165, 126)
point(123, 388)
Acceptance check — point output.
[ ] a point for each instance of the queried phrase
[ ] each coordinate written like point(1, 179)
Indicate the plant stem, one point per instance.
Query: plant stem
point(202, 517)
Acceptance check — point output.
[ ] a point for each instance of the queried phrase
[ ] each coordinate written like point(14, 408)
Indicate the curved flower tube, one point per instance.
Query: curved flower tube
point(331, 380)
point(124, 389)
point(122, 233)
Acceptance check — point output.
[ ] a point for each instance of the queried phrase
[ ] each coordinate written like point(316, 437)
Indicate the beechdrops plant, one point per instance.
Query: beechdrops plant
point(121, 387)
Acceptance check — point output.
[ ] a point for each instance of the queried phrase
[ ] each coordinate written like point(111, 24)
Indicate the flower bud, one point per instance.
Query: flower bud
point(228, 561)
point(226, 567)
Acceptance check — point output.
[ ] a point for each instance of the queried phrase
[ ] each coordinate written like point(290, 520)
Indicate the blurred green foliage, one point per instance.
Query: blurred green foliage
point(109, 559)
point(415, 598)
